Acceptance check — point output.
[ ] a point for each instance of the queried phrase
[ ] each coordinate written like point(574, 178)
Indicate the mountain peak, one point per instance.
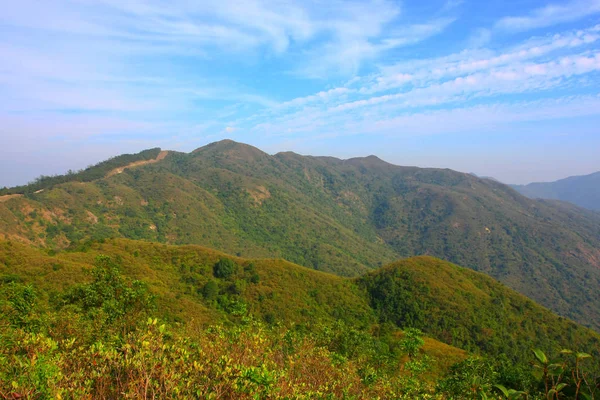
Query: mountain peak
point(231, 149)
point(368, 161)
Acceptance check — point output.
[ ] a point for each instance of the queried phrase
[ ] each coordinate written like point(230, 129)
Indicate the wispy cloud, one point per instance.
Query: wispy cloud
point(417, 90)
point(345, 55)
point(551, 14)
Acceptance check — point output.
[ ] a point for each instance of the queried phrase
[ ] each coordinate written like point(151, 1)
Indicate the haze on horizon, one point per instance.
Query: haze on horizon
point(508, 90)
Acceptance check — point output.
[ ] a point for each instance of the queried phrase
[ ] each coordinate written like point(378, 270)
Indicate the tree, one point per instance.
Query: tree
point(224, 268)
point(412, 342)
point(210, 290)
point(110, 298)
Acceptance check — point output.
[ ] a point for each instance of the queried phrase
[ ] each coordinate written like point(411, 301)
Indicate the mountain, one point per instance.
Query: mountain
point(583, 191)
point(341, 216)
point(450, 304)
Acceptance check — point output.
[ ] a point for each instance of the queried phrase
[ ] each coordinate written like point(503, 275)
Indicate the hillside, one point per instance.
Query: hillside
point(583, 191)
point(79, 324)
point(451, 304)
point(467, 309)
point(340, 216)
point(275, 290)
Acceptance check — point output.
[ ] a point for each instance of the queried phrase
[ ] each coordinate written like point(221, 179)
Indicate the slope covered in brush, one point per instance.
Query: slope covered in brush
point(189, 287)
point(468, 309)
point(340, 216)
point(198, 286)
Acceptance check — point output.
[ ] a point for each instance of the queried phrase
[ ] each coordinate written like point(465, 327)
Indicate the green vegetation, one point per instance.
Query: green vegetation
point(91, 342)
point(468, 310)
point(98, 335)
point(91, 263)
point(224, 268)
point(345, 217)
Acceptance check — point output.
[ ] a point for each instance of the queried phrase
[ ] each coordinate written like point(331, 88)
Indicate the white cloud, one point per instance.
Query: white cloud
point(346, 55)
point(416, 33)
point(102, 53)
point(415, 89)
point(460, 119)
point(123, 59)
point(550, 15)
point(325, 96)
point(474, 60)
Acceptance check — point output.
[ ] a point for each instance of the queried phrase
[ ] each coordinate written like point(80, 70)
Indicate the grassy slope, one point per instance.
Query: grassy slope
point(451, 304)
point(177, 274)
point(337, 216)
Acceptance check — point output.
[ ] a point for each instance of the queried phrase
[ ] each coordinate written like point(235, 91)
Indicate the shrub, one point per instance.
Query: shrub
point(224, 268)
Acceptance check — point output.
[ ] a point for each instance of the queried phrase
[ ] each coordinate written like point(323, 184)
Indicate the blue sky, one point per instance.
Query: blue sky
point(509, 89)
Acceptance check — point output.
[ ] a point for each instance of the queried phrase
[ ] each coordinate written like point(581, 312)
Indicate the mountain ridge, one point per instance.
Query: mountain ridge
point(331, 215)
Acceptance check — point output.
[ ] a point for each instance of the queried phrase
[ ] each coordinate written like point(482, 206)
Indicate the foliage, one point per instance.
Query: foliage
point(472, 378)
point(454, 305)
point(152, 360)
point(224, 268)
point(18, 304)
point(468, 310)
point(109, 300)
point(565, 376)
point(98, 338)
point(412, 342)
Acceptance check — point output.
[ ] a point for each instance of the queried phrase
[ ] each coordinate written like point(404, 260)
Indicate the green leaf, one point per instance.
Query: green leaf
point(560, 387)
point(540, 356)
point(502, 389)
point(516, 394)
point(556, 369)
point(583, 355)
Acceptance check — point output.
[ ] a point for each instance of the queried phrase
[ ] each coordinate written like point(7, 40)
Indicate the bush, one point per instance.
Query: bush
point(110, 298)
point(224, 268)
point(210, 291)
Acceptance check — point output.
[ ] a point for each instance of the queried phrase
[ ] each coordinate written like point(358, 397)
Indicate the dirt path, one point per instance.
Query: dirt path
point(7, 197)
point(119, 170)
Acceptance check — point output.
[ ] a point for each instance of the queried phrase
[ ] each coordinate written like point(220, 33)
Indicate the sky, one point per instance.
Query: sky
point(502, 88)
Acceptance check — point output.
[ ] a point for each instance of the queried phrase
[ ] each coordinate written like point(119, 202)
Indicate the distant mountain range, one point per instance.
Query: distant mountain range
point(583, 191)
point(340, 216)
